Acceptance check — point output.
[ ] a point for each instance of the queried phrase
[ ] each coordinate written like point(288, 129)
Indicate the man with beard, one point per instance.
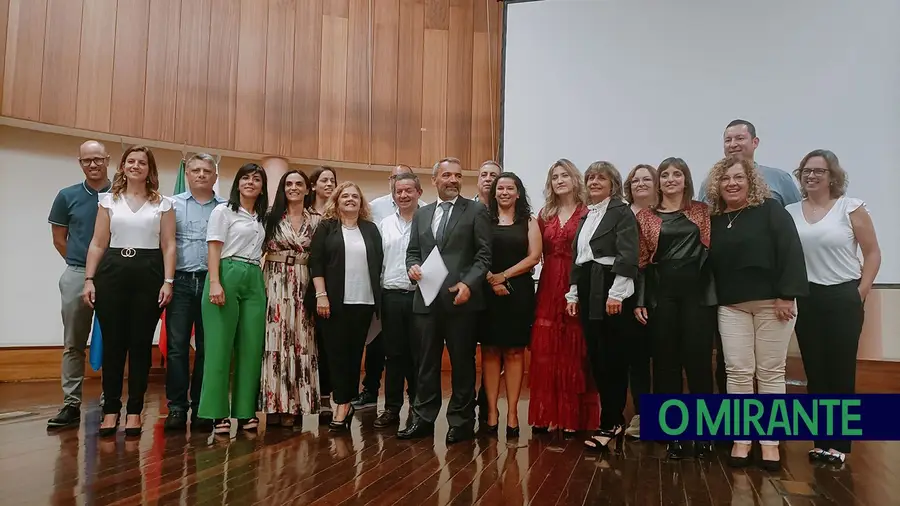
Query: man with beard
point(460, 229)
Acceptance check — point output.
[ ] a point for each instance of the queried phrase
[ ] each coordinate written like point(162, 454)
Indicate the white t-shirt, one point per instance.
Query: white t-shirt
point(829, 245)
point(240, 232)
point(357, 284)
point(129, 229)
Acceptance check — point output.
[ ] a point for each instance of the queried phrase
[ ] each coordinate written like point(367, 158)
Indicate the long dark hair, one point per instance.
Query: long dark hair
point(262, 201)
point(280, 204)
point(523, 207)
point(313, 177)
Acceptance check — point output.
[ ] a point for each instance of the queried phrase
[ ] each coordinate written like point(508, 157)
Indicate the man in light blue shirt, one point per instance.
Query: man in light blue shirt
point(192, 210)
point(741, 142)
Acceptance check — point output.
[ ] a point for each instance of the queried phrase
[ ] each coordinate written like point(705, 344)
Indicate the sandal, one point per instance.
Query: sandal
point(250, 424)
point(817, 454)
point(835, 457)
point(222, 426)
point(617, 433)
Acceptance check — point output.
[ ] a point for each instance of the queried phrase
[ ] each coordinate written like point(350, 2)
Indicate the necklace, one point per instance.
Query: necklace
point(732, 220)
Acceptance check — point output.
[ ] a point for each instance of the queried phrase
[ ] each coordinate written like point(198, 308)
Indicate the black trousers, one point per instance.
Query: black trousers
point(397, 334)
point(375, 359)
point(457, 330)
point(683, 332)
point(638, 355)
point(324, 370)
point(183, 314)
point(829, 322)
point(345, 333)
point(607, 348)
point(127, 306)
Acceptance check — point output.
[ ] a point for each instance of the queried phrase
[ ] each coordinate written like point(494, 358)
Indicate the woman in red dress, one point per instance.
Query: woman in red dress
point(562, 391)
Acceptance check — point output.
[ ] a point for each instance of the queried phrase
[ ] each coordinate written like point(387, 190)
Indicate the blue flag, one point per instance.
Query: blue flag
point(96, 346)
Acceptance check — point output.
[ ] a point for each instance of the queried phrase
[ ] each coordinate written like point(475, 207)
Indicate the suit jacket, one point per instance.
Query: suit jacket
point(616, 236)
point(327, 260)
point(466, 250)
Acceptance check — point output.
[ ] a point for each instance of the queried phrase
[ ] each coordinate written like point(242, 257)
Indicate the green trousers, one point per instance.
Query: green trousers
point(236, 328)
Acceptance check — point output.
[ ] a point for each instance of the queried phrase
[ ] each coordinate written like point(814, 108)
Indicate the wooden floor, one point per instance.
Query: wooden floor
point(310, 466)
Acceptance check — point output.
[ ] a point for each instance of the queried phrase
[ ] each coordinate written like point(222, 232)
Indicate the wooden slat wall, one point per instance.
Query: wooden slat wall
point(364, 81)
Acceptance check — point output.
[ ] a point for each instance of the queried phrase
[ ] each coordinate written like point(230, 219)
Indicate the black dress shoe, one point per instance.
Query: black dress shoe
point(416, 430)
point(387, 419)
point(702, 449)
point(675, 450)
point(176, 420)
point(68, 416)
point(201, 424)
point(459, 434)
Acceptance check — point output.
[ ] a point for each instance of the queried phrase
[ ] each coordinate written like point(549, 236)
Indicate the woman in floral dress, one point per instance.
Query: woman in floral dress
point(290, 372)
point(562, 392)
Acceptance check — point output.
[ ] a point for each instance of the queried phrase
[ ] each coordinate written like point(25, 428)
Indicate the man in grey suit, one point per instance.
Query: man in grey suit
point(461, 231)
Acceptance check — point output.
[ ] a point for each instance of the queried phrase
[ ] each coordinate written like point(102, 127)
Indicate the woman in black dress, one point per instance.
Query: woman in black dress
point(506, 329)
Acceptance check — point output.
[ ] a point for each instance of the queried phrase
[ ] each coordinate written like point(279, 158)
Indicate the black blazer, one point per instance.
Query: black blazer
point(616, 236)
point(466, 250)
point(327, 260)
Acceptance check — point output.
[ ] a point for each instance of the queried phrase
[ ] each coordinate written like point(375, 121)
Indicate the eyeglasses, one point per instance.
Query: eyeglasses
point(86, 162)
point(818, 171)
point(737, 178)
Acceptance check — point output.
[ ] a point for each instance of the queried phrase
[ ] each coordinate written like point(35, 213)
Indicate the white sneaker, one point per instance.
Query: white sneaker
point(634, 429)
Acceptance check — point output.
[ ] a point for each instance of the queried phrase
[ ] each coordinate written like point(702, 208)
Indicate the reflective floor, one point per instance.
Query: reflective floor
point(368, 466)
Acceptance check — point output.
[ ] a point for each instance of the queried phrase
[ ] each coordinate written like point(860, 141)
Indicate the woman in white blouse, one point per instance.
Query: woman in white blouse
point(128, 280)
point(605, 253)
point(345, 262)
point(833, 228)
point(234, 303)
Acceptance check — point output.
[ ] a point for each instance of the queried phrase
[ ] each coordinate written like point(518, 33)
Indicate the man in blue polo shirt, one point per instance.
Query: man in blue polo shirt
point(72, 219)
point(192, 210)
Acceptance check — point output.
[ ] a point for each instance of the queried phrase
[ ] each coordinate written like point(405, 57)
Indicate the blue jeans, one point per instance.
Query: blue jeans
point(183, 313)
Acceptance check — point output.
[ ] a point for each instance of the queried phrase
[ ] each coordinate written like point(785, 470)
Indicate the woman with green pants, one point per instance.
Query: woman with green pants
point(234, 306)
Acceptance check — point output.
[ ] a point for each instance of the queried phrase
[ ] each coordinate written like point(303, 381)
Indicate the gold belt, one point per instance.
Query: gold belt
point(286, 258)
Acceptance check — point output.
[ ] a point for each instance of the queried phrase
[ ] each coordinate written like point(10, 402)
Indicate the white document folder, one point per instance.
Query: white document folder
point(434, 272)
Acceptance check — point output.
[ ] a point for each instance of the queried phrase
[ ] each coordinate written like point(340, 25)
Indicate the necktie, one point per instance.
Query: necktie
point(445, 206)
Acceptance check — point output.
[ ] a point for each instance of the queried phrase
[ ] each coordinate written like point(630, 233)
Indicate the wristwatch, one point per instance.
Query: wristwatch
point(170, 281)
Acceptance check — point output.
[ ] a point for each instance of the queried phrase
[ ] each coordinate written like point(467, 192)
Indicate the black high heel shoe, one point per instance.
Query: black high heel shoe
point(674, 450)
point(134, 431)
point(109, 431)
point(617, 433)
point(702, 449)
point(343, 425)
point(512, 431)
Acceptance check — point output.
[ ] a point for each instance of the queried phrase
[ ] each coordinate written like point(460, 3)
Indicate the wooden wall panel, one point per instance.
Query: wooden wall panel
point(459, 81)
point(356, 123)
point(130, 67)
point(333, 87)
point(24, 54)
point(4, 21)
point(279, 77)
point(59, 80)
point(410, 80)
point(307, 70)
point(221, 83)
point(193, 65)
point(251, 80)
point(162, 69)
point(95, 65)
point(434, 95)
point(356, 81)
point(384, 81)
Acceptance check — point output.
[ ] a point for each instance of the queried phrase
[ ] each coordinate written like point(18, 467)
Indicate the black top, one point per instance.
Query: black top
point(679, 250)
point(327, 259)
point(759, 258)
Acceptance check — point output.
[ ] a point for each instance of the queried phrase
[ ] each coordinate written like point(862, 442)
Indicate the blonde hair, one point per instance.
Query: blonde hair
point(331, 206)
point(611, 172)
point(551, 199)
point(120, 182)
point(757, 190)
point(836, 173)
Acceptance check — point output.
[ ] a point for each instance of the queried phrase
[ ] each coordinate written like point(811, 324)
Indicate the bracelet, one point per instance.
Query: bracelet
point(321, 294)
point(89, 279)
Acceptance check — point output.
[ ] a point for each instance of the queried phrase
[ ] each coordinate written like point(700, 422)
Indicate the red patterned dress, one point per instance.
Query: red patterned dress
point(562, 391)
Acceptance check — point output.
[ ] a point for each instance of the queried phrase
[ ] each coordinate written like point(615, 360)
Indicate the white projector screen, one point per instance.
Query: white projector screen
point(636, 81)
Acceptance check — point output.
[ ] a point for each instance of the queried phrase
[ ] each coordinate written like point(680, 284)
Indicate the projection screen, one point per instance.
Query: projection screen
point(636, 81)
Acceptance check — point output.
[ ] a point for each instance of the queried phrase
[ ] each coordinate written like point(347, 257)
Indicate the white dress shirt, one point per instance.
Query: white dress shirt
point(622, 287)
point(439, 213)
point(395, 239)
point(133, 229)
point(240, 232)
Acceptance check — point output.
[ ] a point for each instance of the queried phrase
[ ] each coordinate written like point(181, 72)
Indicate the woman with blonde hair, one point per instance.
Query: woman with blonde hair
point(562, 392)
point(132, 257)
point(759, 270)
point(605, 265)
point(345, 262)
point(833, 229)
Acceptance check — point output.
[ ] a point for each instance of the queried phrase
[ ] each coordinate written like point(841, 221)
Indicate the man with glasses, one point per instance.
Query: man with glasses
point(72, 218)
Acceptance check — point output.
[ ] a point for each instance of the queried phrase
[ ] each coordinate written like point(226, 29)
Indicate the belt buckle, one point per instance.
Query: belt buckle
point(128, 252)
point(290, 259)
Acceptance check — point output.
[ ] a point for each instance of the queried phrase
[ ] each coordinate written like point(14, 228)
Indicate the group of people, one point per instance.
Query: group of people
point(639, 283)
